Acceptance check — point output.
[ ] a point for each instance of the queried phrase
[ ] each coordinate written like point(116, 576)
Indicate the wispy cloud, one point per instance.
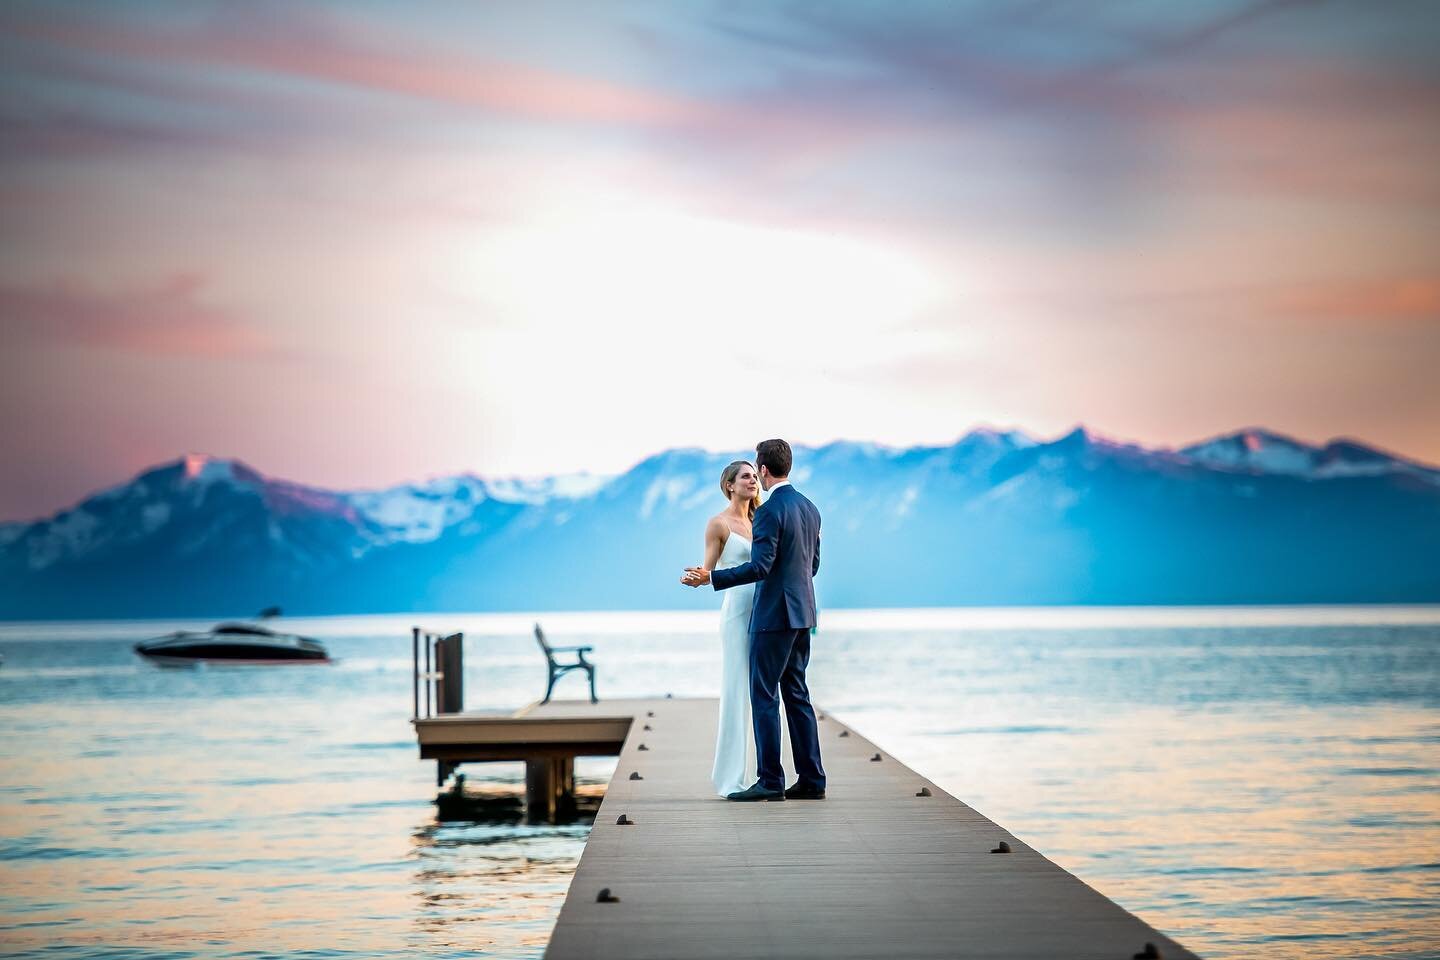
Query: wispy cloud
point(304, 44)
point(166, 319)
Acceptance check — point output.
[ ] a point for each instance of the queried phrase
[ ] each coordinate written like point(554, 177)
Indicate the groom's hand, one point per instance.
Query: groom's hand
point(695, 577)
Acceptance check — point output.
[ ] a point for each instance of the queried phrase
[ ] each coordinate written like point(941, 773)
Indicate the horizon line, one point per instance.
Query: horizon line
point(862, 619)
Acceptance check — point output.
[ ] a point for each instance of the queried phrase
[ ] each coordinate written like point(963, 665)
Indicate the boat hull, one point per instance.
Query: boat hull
point(162, 660)
point(228, 650)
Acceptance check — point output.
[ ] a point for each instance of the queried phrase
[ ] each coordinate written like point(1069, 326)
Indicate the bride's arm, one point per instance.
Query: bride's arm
point(715, 533)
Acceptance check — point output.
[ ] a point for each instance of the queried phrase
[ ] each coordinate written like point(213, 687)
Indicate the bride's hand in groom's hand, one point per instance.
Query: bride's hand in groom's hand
point(695, 577)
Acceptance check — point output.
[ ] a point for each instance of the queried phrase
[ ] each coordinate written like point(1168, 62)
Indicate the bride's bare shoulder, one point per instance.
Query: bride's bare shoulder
point(717, 527)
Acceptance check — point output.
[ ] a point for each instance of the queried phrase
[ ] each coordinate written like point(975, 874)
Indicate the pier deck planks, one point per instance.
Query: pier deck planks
point(873, 871)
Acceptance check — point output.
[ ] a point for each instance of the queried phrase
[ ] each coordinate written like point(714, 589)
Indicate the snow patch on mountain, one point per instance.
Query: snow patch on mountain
point(421, 512)
point(418, 513)
point(68, 536)
point(906, 501)
point(538, 490)
point(154, 516)
point(667, 491)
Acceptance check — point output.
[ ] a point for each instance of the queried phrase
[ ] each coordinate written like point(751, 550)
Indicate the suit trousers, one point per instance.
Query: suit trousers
point(777, 663)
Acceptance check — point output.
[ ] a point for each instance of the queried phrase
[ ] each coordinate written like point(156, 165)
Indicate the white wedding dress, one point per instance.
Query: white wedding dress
point(734, 768)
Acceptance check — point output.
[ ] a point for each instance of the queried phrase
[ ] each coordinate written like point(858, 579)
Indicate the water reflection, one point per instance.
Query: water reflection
point(493, 802)
point(488, 880)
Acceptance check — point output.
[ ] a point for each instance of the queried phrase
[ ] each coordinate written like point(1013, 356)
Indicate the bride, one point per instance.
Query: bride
point(727, 544)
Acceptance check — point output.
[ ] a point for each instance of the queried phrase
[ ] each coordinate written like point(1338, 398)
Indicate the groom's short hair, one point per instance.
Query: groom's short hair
point(775, 455)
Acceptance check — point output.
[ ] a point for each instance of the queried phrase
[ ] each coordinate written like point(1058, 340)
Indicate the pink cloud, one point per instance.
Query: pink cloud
point(1311, 128)
point(168, 319)
point(1392, 299)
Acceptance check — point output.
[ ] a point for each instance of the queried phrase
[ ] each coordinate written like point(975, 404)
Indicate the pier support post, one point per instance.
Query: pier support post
point(550, 788)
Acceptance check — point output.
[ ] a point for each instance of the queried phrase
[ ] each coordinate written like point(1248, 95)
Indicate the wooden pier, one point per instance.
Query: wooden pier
point(890, 865)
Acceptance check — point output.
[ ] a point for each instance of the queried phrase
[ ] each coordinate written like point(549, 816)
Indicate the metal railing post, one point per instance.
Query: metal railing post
point(415, 668)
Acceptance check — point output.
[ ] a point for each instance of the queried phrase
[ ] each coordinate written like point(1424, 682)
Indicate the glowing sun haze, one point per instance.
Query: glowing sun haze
point(358, 244)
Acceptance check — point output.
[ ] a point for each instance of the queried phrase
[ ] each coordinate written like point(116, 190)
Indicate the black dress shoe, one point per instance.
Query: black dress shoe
point(756, 792)
point(802, 792)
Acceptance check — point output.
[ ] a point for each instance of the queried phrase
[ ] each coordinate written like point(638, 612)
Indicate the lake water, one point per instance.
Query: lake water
point(1251, 781)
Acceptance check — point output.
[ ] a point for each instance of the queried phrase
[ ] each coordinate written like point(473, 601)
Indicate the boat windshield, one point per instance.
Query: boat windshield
point(242, 628)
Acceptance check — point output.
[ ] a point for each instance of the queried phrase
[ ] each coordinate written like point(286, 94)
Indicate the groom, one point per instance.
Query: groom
point(785, 556)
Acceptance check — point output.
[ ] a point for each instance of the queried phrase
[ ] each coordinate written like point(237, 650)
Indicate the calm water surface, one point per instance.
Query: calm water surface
point(1252, 782)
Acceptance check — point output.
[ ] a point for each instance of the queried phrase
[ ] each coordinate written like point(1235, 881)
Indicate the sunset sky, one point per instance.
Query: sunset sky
point(362, 243)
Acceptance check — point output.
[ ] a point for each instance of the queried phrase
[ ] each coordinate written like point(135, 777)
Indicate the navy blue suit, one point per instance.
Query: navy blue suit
point(784, 558)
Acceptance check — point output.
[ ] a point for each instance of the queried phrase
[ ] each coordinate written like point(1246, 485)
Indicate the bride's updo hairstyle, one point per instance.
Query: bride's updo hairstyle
point(727, 480)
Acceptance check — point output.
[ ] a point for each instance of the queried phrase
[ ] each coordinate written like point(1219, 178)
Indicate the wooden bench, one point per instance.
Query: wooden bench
point(558, 669)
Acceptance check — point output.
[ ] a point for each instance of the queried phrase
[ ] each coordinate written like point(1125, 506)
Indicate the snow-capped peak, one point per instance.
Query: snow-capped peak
point(196, 464)
point(204, 469)
point(1263, 451)
point(201, 470)
point(1255, 450)
point(992, 436)
point(1079, 437)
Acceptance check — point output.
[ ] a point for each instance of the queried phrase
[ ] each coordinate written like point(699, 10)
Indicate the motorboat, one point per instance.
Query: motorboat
point(232, 644)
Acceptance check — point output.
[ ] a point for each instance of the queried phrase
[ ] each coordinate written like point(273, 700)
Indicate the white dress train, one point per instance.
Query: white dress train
point(734, 739)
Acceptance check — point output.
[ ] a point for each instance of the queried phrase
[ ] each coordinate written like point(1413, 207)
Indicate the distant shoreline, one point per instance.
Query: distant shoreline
point(854, 619)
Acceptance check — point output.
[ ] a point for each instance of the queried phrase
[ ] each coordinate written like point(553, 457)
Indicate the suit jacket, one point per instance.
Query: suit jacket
point(784, 558)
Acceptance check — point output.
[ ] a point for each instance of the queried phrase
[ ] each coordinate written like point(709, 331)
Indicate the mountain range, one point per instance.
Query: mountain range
point(997, 518)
